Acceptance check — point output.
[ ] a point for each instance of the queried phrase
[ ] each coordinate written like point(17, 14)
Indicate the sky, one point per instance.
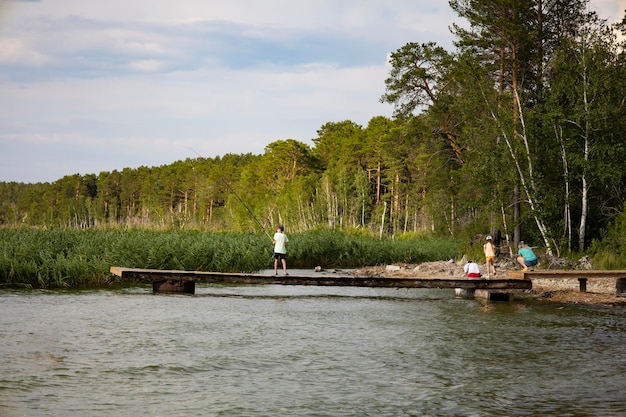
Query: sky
point(90, 86)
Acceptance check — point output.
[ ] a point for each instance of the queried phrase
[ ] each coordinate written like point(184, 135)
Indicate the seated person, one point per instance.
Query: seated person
point(472, 270)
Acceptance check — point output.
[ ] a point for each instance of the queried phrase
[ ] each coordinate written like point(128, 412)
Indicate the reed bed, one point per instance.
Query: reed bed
point(62, 258)
point(335, 249)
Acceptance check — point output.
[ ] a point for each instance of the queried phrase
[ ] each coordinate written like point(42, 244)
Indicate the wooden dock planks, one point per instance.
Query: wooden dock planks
point(566, 273)
point(582, 275)
point(150, 275)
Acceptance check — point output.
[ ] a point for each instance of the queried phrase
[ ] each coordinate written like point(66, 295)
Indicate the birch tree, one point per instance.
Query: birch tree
point(583, 83)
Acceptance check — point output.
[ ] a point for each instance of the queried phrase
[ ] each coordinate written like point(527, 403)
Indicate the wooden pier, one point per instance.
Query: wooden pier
point(184, 281)
point(582, 275)
point(174, 277)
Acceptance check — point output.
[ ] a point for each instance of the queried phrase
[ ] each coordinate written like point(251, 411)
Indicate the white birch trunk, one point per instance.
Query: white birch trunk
point(567, 213)
point(527, 180)
point(584, 203)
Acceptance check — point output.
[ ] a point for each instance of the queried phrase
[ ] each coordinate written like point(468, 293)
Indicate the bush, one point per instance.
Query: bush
point(608, 253)
point(72, 258)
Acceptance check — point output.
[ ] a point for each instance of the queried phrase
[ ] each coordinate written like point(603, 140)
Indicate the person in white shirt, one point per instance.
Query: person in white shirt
point(472, 270)
point(280, 249)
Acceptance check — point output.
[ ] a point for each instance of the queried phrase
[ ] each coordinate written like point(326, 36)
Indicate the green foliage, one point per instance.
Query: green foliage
point(610, 251)
point(58, 258)
point(417, 73)
point(473, 251)
point(336, 249)
point(524, 121)
point(51, 258)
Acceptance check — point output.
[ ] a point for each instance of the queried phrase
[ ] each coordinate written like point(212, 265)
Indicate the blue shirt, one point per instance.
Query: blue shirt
point(528, 254)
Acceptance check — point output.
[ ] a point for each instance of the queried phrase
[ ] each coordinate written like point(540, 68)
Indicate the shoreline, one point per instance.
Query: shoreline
point(570, 296)
point(599, 292)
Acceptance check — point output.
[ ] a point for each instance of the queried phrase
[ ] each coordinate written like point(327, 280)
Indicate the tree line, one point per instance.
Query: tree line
point(520, 130)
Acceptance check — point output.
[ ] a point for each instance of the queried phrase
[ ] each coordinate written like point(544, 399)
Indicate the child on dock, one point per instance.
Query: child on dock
point(490, 256)
point(472, 270)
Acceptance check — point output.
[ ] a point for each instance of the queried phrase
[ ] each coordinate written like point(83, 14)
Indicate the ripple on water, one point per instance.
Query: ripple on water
point(272, 350)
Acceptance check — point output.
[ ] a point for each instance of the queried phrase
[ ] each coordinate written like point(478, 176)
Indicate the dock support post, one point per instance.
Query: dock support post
point(490, 295)
point(494, 295)
point(464, 292)
point(620, 287)
point(582, 284)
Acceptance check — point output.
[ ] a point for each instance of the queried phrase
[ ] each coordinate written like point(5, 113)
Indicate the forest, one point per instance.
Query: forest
point(519, 131)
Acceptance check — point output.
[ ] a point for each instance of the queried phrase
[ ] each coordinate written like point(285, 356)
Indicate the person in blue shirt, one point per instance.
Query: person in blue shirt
point(526, 256)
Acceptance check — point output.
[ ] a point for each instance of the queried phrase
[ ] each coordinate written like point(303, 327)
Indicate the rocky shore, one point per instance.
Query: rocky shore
point(600, 292)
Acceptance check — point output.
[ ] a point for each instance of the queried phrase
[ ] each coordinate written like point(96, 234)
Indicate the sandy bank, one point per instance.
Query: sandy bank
point(599, 291)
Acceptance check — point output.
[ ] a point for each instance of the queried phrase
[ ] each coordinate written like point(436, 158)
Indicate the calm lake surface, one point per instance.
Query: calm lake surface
point(305, 351)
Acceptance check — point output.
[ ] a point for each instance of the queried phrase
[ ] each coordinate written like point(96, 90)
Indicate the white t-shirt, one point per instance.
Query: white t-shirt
point(280, 245)
point(472, 268)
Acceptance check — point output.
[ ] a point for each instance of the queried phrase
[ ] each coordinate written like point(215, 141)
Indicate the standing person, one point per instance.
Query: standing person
point(490, 257)
point(472, 270)
point(527, 258)
point(280, 249)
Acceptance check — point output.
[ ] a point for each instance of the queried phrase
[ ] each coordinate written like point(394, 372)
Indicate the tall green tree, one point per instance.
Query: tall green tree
point(511, 38)
point(586, 109)
point(339, 149)
point(419, 74)
point(421, 84)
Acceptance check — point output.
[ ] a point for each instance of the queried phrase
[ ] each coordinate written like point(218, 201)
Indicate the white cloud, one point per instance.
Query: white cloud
point(132, 45)
point(612, 10)
point(90, 86)
point(147, 65)
point(16, 52)
point(130, 122)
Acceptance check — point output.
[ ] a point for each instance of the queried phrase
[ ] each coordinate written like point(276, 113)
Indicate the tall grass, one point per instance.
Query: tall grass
point(73, 258)
point(336, 249)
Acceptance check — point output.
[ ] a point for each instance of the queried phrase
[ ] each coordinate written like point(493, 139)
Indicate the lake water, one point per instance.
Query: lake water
point(305, 351)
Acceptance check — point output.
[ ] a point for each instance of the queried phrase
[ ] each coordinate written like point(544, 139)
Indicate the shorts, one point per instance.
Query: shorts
point(490, 258)
point(473, 275)
point(280, 255)
point(530, 263)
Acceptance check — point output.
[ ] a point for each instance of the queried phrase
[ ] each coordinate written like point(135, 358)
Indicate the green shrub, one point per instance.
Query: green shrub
point(610, 251)
point(57, 258)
